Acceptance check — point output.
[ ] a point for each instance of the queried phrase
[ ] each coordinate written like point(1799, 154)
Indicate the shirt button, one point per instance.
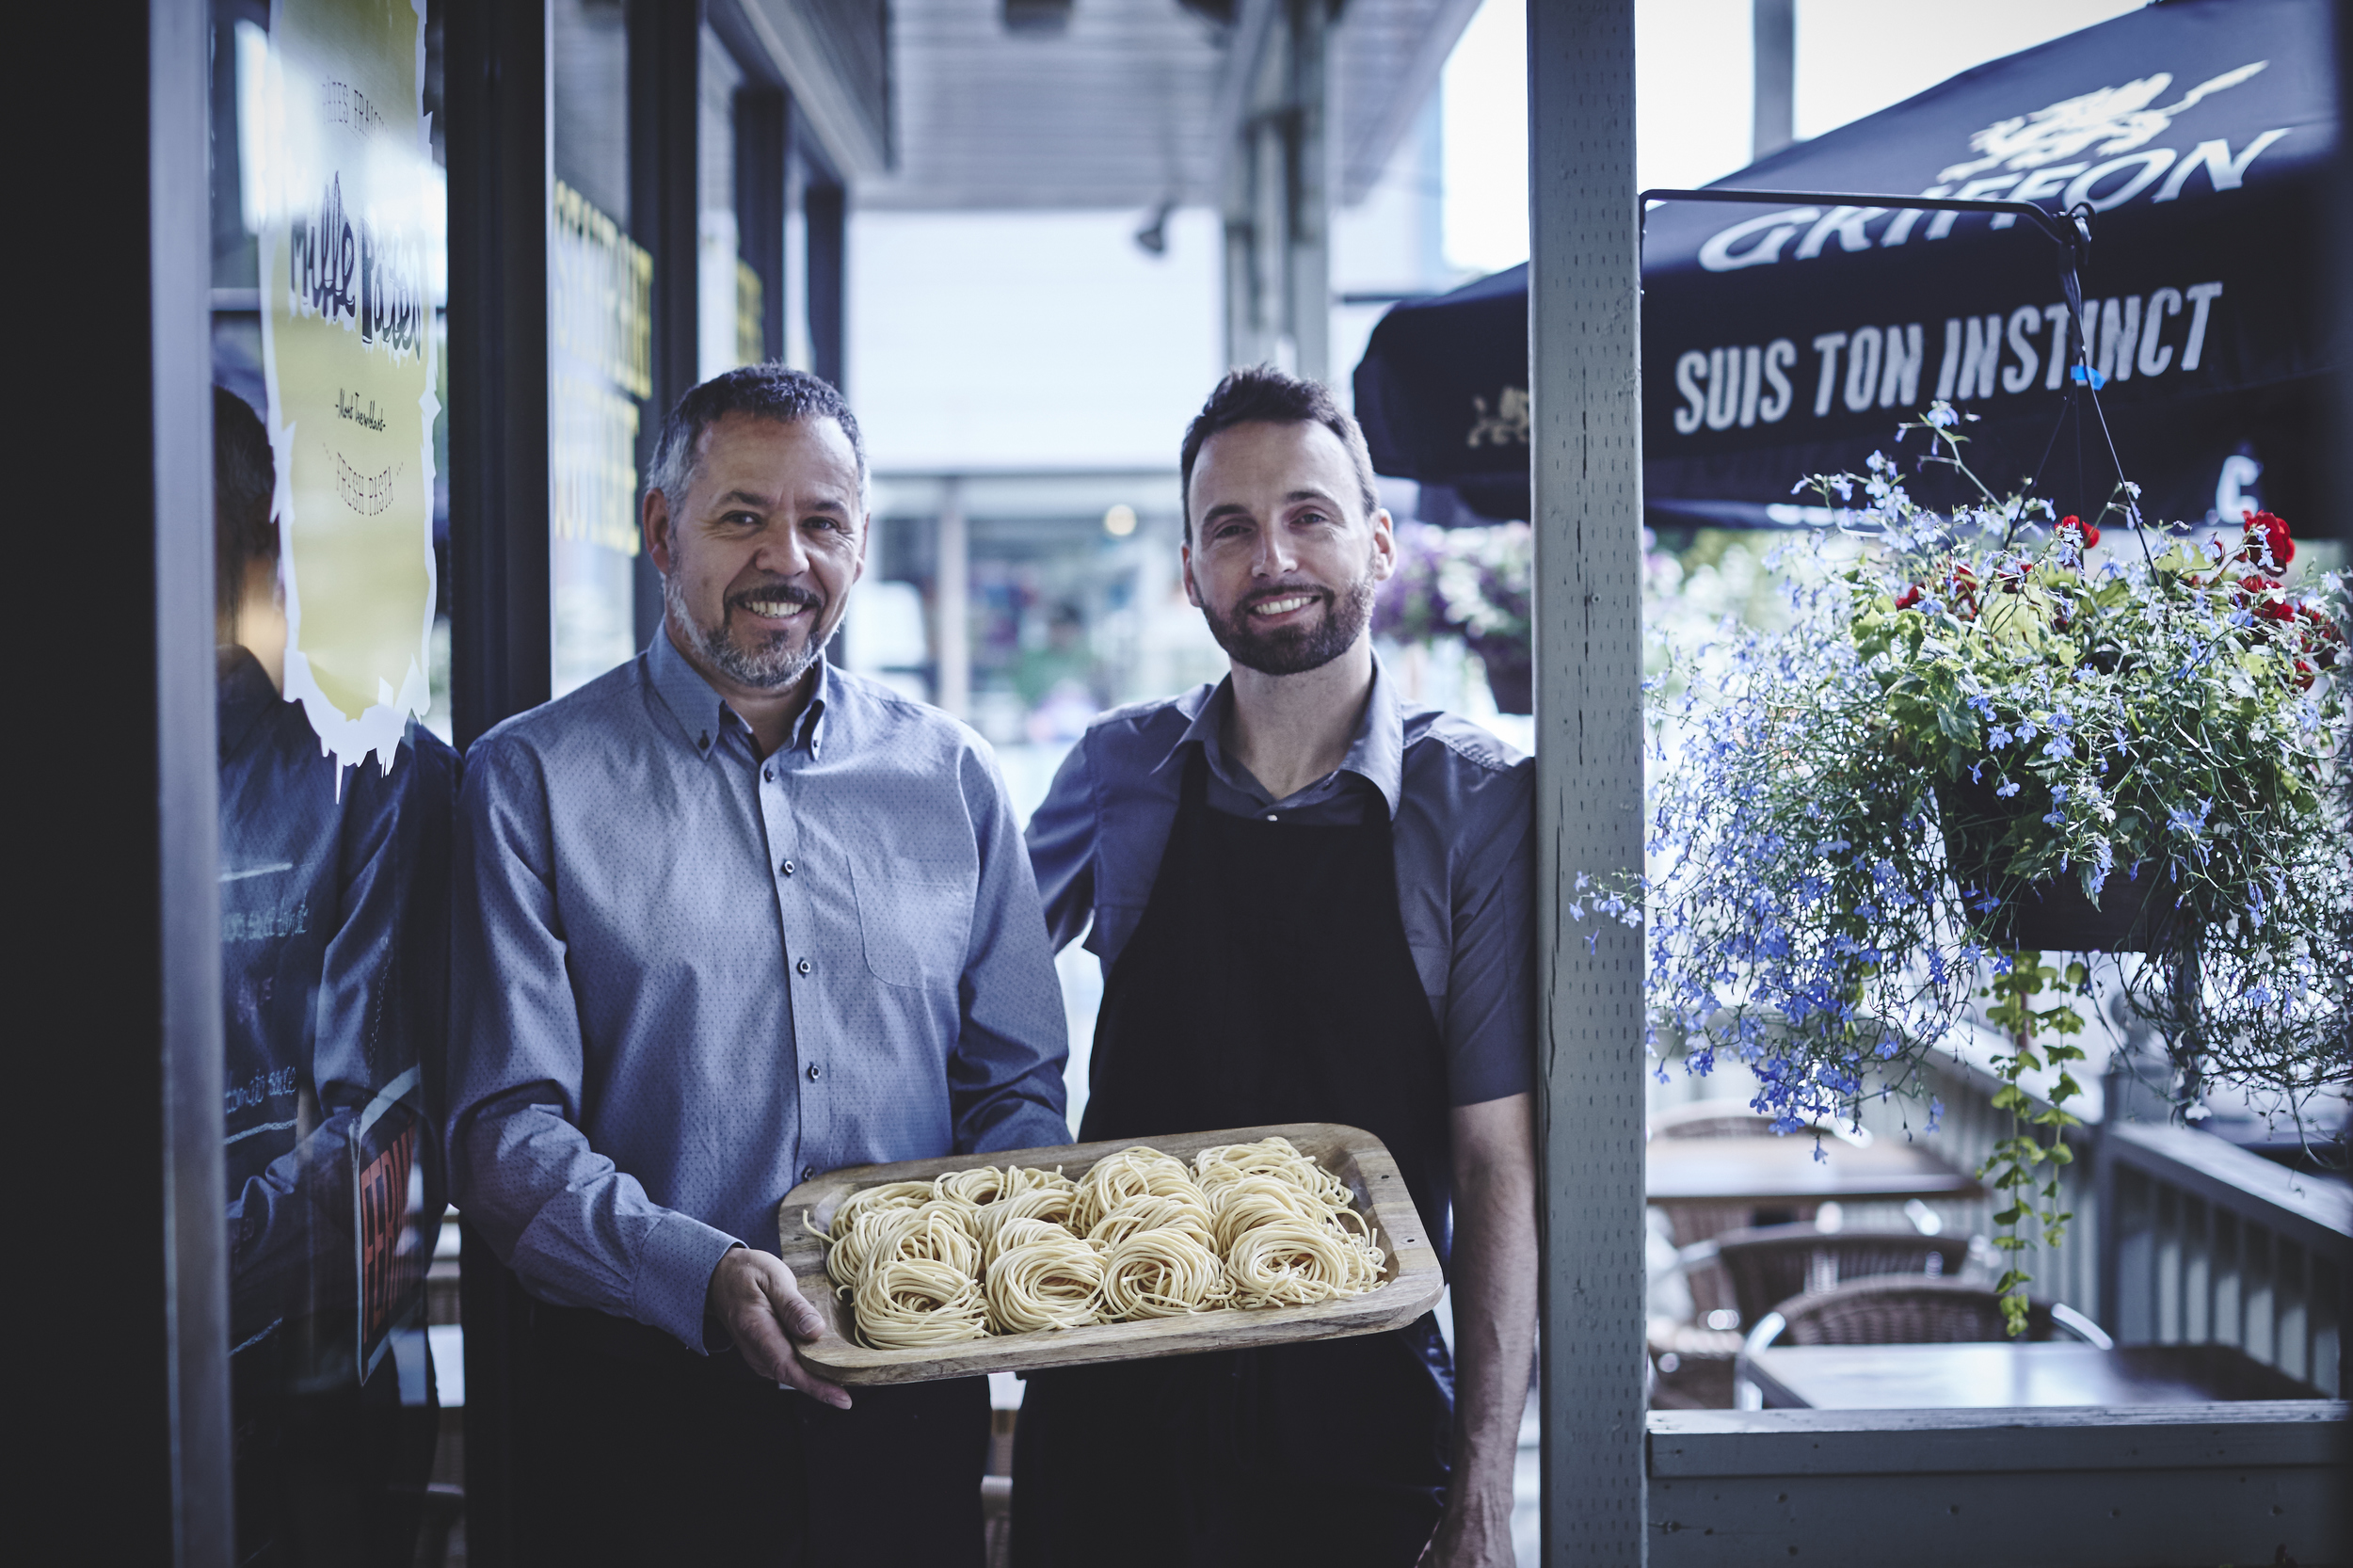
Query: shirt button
point(786, 868)
point(815, 1072)
point(809, 1173)
point(1271, 817)
point(768, 775)
point(802, 966)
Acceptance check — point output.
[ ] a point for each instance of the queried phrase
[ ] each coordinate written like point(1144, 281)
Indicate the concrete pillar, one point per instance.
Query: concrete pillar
point(951, 605)
point(1587, 456)
point(1774, 123)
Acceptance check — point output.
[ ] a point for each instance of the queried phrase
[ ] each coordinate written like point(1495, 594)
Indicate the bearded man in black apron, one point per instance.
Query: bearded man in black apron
point(1313, 903)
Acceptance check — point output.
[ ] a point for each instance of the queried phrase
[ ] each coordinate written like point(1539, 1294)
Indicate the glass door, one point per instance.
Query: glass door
point(335, 794)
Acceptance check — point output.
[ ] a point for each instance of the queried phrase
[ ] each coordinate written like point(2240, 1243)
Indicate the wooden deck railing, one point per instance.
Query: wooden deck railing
point(2205, 1244)
point(1964, 1137)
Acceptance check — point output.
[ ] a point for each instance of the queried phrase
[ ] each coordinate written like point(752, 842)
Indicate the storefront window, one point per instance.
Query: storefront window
point(600, 286)
point(728, 290)
point(330, 273)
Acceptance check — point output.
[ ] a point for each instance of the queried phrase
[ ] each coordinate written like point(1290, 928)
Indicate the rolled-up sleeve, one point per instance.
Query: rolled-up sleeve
point(578, 1231)
point(1005, 1075)
point(1061, 849)
point(1491, 1009)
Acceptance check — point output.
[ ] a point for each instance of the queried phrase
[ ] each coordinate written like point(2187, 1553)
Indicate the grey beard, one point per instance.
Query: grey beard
point(771, 669)
point(1290, 652)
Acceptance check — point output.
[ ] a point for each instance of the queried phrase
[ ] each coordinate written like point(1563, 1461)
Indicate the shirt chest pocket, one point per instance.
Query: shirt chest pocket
point(915, 918)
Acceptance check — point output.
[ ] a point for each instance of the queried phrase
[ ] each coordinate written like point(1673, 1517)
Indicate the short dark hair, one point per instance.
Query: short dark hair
point(1265, 396)
point(245, 484)
point(765, 391)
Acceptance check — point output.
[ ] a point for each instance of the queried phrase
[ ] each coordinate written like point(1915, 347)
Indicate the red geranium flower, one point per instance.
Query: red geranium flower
point(2091, 535)
point(2275, 534)
point(1909, 598)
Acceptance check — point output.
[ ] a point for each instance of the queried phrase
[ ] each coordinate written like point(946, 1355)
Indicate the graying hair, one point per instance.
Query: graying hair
point(765, 391)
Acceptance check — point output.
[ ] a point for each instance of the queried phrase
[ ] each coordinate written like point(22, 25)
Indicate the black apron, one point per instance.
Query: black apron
point(1269, 981)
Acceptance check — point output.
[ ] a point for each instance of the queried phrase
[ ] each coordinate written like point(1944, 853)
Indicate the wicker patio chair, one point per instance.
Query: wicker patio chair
point(1769, 1265)
point(1902, 1309)
point(1896, 1309)
point(1717, 1118)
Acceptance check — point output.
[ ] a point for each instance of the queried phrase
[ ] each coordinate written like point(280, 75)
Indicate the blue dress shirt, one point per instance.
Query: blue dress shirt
point(687, 979)
point(1460, 811)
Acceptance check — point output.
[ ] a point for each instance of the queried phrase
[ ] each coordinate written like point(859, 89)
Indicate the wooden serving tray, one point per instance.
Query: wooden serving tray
point(1411, 1281)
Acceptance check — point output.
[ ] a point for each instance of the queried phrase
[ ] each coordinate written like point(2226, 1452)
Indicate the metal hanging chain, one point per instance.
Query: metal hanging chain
point(2070, 231)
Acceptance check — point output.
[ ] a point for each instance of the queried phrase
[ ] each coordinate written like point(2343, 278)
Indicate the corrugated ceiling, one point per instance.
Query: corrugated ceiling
point(1120, 108)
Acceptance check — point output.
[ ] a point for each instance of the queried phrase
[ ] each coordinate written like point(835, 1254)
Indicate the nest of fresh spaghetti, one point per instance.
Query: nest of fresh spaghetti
point(1019, 1250)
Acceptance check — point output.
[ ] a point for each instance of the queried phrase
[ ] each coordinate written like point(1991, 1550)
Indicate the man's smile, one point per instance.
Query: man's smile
point(1272, 609)
point(781, 611)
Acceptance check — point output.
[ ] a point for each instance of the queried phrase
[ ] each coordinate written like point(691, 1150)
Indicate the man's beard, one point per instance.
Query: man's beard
point(776, 664)
point(1295, 650)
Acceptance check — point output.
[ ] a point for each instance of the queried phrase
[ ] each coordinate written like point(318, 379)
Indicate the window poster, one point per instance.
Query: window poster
point(347, 198)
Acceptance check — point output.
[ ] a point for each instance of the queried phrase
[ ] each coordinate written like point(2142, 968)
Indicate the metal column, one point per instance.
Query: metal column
point(665, 202)
point(1773, 118)
point(122, 1382)
point(763, 154)
point(1307, 193)
point(1277, 181)
point(1587, 453)
point(825, 206)
point(501, 174)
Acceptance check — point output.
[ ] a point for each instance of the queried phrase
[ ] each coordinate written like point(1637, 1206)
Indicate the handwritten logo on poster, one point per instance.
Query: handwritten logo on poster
point(349, 242)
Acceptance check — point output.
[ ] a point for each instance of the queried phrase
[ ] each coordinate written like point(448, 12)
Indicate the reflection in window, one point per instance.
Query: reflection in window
point(334, 910)
point(335, 803)
point(599, 288)
point(727, 291)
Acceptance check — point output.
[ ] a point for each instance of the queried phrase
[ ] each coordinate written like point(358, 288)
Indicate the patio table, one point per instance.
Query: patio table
point(2008, 1376)
point(1776, 1170)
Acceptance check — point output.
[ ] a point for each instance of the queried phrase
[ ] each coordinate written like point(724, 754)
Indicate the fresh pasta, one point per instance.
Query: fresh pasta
point(908, 1302)
point(1043, 1277)
point(1136, 1173)
point(1162, 1274)
point(1296, 1263)
point(1142, 1235)
point(1174, 1212)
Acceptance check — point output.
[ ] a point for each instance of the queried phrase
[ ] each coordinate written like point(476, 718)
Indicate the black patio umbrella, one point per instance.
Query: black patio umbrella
point(1791, 339)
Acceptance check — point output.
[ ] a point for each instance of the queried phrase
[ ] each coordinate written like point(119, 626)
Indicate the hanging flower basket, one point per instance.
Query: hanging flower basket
point(1977, 742)
point(2129, 912)
point(1511, 672)
point(1473, 584)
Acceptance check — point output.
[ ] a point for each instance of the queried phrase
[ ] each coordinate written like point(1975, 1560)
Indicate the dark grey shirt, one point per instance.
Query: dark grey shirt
point(686, 979)
point(1460, 806)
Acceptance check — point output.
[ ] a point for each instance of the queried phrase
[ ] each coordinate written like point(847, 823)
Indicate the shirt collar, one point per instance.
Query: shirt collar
point(705, 714)
point(246, 694)
point(1377, 755)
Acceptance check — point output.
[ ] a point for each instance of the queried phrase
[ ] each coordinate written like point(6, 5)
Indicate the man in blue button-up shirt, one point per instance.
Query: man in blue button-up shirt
point(729, 918)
